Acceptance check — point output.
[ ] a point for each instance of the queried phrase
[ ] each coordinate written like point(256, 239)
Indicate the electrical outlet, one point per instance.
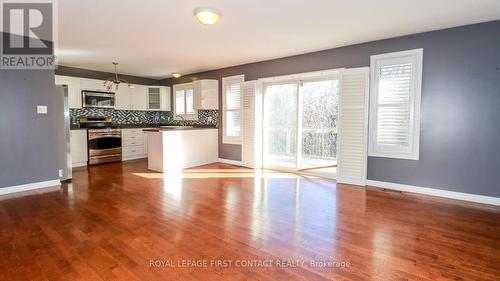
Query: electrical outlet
point(41, 109)
point(60, 173)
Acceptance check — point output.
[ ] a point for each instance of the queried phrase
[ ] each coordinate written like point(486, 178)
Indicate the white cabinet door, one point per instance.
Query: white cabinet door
point(206, 94)
point(155, 97)
point(122, 98)
point(139, 98)
point(78, 144)
point(133, 144)
point(74, 93)
point(166, 99)
point(164, 94)
point(92, 85)
point(131, 98)
point(145, 137)
point(125, 98)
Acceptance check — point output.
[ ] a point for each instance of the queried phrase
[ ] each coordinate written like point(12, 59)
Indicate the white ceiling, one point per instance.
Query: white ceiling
point(153, 38)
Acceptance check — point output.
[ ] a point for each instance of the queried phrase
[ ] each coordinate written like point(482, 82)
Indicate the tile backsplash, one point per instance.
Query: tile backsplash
point(205, 117)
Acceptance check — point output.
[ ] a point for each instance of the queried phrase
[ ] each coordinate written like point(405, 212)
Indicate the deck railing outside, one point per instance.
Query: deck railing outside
point(316, 143)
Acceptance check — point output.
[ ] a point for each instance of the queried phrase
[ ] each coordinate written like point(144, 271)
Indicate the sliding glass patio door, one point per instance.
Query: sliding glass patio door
point(319, 126)
point(280, 128)
point(300, 125)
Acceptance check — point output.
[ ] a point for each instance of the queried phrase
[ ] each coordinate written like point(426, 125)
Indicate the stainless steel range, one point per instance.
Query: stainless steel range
point(104, 140)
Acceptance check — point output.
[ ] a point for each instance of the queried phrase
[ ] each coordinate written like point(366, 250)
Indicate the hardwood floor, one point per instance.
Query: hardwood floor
point(123, 222)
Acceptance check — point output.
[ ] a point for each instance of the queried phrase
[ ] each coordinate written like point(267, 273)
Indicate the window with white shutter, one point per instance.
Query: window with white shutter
point(395, 104)
point(183, 102)
point(231, 98)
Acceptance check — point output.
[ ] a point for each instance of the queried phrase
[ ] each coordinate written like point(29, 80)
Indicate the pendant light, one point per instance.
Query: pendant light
point(115, 82)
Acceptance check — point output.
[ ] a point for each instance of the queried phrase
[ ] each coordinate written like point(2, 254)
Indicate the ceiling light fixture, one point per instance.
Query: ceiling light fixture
point(108, 84)
point(177, 74)
point(207, 15)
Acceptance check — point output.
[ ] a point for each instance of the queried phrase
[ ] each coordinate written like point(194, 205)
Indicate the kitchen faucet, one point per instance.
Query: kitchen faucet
point(183, 120)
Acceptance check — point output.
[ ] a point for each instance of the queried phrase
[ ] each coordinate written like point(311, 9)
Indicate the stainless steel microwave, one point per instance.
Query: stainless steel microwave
point(95, 99)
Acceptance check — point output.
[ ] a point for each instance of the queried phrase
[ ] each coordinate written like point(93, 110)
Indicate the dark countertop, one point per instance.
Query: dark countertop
point(132, 126)
point(72, 127)
point(178, 128)
point(124, 126)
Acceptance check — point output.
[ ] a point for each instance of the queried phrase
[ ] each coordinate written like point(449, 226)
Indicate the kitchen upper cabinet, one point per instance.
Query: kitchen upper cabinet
point(131, 99)
point(158, 98)
point(78, 144)
point(166, 102)
point(122, 98)
point(74, 92)
point(154, 98)
point(139, 98)
point(206, 94)
point(92, 85)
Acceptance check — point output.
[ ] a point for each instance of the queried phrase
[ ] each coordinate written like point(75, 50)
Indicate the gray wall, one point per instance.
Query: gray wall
point(30, 144)
point(460, 105)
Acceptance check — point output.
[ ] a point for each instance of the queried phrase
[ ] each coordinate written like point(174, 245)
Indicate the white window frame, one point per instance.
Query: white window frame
point(237, 79)
point(181, 87)
point(412, 151)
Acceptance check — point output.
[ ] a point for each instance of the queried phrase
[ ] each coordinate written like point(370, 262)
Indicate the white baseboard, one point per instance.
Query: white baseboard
point(79, 164)
point(134, 157)
point(228, 161)
point(437, 192)
point(355, 182)
point(320, 175)
point(29, 186)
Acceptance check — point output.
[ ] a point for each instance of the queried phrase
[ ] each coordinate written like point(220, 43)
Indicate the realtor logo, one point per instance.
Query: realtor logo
point(29, 34)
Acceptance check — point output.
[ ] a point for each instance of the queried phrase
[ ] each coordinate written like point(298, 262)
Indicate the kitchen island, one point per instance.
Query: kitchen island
point(173, 148)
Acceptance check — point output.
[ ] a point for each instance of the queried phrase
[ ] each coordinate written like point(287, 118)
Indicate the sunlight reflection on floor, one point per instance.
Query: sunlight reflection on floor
point(225, 173)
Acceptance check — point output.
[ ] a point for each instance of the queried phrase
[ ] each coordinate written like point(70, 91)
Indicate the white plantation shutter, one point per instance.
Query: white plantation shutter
point(251, 125)
point(395, 104)
point(189, 101)
point(233, 95)
point(353, 121)
point(233, 110)
point(232, 90)
point(179, 102)
point(393, 126)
